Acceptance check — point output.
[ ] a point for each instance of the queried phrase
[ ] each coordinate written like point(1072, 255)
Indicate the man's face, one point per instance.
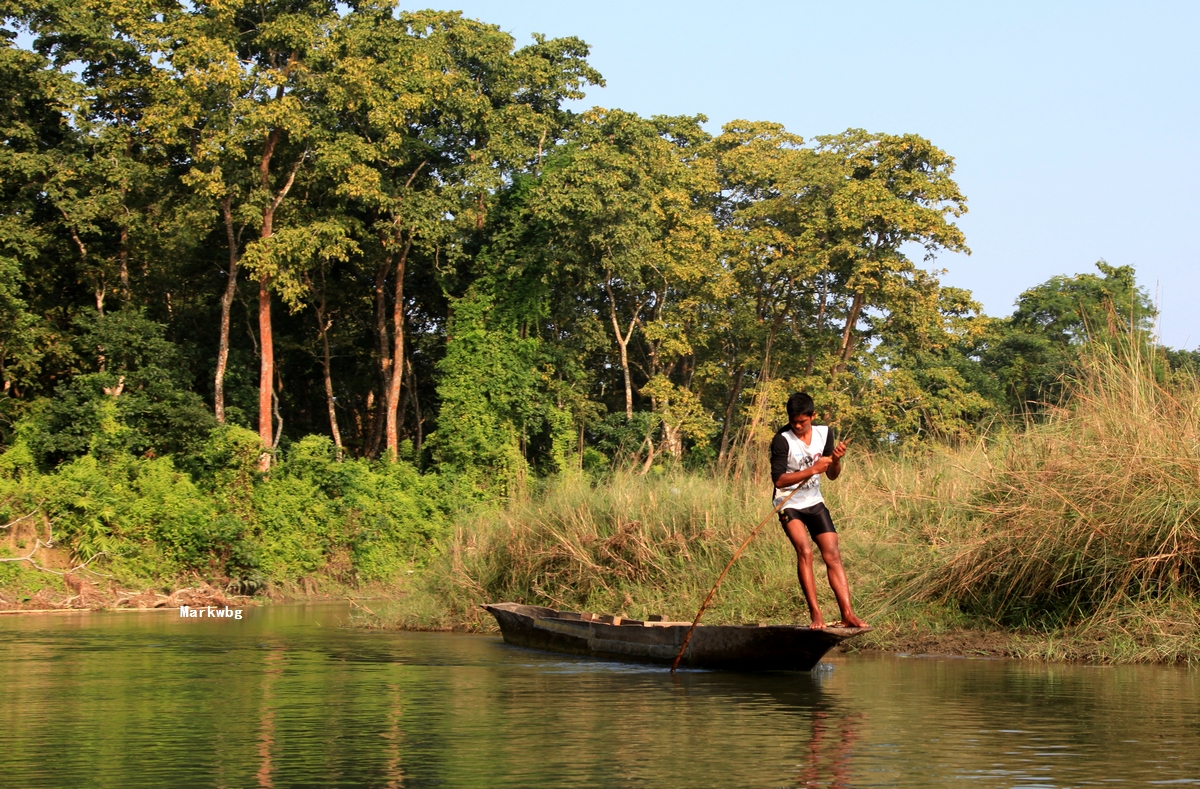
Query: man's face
point(801, 422)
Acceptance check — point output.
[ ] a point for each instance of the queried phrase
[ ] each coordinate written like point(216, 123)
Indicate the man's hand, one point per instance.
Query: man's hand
point(820, 464)
point(835, 461)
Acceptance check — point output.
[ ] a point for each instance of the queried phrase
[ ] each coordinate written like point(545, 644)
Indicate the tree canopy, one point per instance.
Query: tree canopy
point(387, 227)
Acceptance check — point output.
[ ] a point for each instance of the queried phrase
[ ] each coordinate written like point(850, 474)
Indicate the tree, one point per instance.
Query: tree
point(1031, 350)
point(33, 101)
point(435, 113)
point(896, 190)
point(620, 199)
point(236, 98)
point(488, 391)
point(813, 238)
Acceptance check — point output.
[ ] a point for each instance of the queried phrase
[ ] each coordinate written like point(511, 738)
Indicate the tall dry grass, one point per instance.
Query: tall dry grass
point(1078, 537)
point(1090, 521)
point(653, 544)
point(632, 544)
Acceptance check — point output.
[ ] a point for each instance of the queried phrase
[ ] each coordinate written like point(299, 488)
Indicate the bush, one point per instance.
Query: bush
point(352, 521)
point(130, 397)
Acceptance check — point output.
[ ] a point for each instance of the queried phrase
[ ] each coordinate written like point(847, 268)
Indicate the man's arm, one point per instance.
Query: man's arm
point(779, 456)
point(819, 466)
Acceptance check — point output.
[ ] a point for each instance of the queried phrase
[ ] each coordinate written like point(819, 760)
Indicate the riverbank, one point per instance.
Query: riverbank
point(81, 594)
point(638, 545)
point(1076, 538)
point(124, 531)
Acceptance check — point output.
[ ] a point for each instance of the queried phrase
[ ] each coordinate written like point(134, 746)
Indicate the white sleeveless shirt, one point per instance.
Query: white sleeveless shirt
point(800, 457)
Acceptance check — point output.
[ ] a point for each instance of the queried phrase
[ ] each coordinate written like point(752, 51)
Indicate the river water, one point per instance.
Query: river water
point(287, 696)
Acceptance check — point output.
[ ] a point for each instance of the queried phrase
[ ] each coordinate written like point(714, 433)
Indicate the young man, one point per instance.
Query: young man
point(800, 454)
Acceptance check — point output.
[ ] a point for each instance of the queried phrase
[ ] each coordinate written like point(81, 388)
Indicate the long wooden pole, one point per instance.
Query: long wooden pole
point(721, 577)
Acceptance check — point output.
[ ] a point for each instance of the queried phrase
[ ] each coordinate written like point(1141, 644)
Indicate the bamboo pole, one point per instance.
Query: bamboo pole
point(721, 577)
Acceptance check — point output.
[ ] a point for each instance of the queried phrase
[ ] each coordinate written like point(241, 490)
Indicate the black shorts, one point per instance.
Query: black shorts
point(816, 518)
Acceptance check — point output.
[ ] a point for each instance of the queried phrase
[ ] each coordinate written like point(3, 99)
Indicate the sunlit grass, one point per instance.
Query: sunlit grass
point(1076, 538)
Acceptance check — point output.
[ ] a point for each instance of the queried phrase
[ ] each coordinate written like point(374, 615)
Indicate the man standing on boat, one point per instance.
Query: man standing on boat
point(800, 453)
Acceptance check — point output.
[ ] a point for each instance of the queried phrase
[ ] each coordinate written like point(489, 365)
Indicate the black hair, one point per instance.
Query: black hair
point(799, 404)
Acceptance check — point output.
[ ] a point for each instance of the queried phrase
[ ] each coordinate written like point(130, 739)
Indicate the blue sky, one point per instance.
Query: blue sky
point(1074, 124)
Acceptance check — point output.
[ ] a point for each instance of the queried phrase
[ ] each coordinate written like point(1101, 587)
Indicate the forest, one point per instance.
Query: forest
point(288, 286)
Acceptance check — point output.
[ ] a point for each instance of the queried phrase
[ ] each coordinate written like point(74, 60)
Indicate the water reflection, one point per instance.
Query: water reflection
point(830, 748)
point(285, 697)
point(272, 669)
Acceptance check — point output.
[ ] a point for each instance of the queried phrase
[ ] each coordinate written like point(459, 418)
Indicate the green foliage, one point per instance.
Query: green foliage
point(1074, 539)
point(1031, 352)
point(485, 268)
point(148, 522)
point(385, 516)
point(486, 389)
point(129, 395)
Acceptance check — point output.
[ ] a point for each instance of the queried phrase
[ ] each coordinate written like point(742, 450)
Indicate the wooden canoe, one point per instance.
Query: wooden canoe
point(729, 647)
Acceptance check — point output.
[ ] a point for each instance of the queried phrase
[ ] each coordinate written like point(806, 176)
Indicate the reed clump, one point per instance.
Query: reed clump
point(637, 544)
point(1088, 524)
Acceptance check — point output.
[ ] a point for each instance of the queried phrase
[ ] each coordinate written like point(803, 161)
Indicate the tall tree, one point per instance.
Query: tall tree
point(896, 190)
point(436, 113)
point(237, 97)
point(623, 199)
point(1029, 352)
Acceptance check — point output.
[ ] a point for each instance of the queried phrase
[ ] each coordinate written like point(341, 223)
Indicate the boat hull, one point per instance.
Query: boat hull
point(727, 647)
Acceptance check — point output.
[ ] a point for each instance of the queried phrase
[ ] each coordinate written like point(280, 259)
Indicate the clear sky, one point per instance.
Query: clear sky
point(1074, 125)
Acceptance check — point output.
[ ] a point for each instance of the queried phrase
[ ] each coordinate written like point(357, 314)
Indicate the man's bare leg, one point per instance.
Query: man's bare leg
point(832, 556)
point(797, 534)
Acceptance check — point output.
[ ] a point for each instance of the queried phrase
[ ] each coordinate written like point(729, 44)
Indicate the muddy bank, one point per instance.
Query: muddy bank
point(954, 643)
point(82, 594)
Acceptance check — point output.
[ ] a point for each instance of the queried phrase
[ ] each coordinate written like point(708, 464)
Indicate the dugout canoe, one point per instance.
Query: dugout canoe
point(729, 647)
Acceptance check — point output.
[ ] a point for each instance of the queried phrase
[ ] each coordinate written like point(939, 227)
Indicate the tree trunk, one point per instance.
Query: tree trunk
point(127, 290)
point(266, 338)
point(393, 391)
point(848, 332)
point(381, 332)
point(764, 376)
point(266, 374)
point(649, 443)
point(323, 325)
point(374, 424)
point(374, 407)
point(812, 358)
point(628, 379)
point(727, 429)
point(672, 440)
point(623, 342)
point(266, 371)
point(416, 400)
point(226, 307)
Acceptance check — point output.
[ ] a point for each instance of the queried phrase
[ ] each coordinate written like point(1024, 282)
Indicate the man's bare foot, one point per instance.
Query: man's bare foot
point(850, 621)
point(818, 624)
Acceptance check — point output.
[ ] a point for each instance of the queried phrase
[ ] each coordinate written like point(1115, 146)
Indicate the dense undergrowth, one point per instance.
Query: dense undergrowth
point(1075, 538)
point(139, 521)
